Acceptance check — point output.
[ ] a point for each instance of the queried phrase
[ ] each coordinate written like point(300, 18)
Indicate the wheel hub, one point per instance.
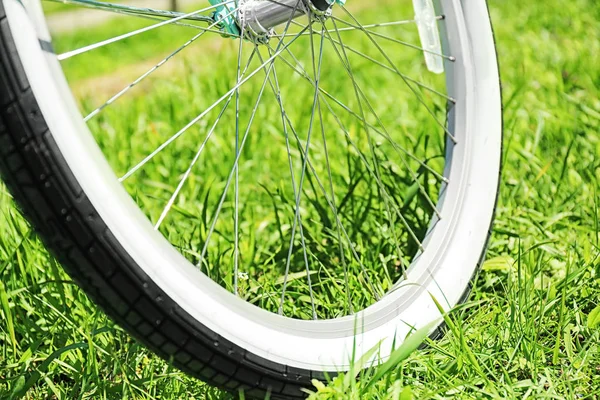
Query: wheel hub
point(255, 19)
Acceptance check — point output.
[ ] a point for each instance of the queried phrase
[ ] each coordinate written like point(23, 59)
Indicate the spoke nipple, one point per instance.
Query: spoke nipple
point(452, 58)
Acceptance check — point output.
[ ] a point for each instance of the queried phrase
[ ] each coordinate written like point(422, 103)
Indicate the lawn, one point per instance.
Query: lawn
point(528, 330)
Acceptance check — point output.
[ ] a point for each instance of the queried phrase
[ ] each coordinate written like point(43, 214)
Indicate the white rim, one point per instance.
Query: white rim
point(443, 270)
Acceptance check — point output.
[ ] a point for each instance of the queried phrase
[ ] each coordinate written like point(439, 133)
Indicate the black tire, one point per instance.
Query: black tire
point(37, 175)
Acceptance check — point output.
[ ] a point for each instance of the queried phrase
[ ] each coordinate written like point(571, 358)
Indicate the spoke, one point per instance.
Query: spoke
point(204, 113)
point(194, 26)
point(231, 175)
point(386, 37)
point(277, 92)
point(378, 25)
point(280, 47)
point(132, 10)
point(115, 39)
point(285, 121)
point(324, 191)
point(178, 23)
point(385, 24)
point(384, 54)
point(372, 110)
point(385, 135)
point(352, 27)
point(332, 206)
point(396, 146)
point(397, 211)
point(347, 66)
point(386, 196)
point(335, 211)
point(237, 171)
point(317, 64)
point(171, 201)
point(147, 73)
point(395, 71)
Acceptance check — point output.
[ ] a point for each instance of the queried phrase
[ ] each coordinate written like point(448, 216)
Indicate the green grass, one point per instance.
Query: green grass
point(526, 331)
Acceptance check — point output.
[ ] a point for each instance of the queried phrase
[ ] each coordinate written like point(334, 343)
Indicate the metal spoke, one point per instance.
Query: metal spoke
point(362, 120)
point(378, 25)
point(202, 115)
point(115, 39)
point(393, 70)
point(397, 147)
point(187, 173)
point(280, 47)
point(231, 175)
point(335, 211)
point(285, 122)
point(277, 92)
point(236, 223)
point(324, 191)
point(317, 64)
point(132, 10)
point(403, 43)
point(352, 27)
point(147, 73)
point(347, 66)
point(417, 95)
point(187, 25)
point(354, 114)
point(332, 206)
point(159, 18)
point(372, 110)
point(386, 24)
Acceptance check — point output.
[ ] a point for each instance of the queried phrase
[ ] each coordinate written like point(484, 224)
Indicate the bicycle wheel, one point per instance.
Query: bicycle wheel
point(288, 195)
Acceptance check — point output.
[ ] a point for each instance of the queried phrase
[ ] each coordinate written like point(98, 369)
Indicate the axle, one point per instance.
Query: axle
point(259, 17)
point(256, 18)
